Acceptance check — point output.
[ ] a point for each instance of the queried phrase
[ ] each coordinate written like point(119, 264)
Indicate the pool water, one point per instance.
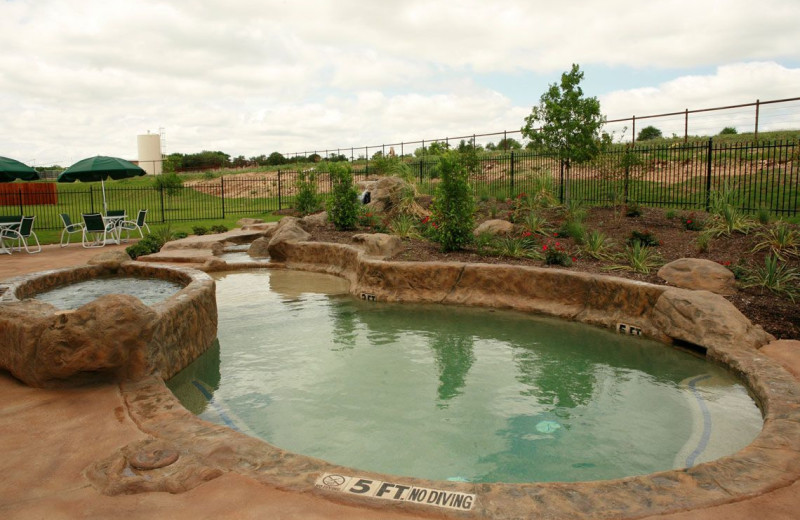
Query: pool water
point(445, 392)
point(72, 296)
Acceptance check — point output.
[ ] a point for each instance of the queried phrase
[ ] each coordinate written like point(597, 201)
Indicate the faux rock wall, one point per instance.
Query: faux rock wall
point(115, 336)
point(698, 317)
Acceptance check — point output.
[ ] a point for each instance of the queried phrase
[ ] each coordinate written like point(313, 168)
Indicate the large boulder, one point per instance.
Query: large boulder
point(315, 219)
point(706, 319)
point(494, 227)
point(379, 244)
point(259, 248)
point(109, 258)
point(699, 274)
point(392, 196)
point(108, 335)
point(288, 231)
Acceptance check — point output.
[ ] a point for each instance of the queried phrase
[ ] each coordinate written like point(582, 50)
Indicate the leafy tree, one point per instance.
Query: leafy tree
point(169, 182)
point(315, 158)
point(276, 159)
point(434, 148)
point(508, 143)
point(569, 122)
point(728, 130)
point(239, 162)
point(453, 204)
point(649, 132)
point(343, 207)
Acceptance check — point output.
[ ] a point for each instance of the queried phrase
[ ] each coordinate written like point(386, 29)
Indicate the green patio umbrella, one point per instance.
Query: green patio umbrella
point(100, 168)
point(11, 170)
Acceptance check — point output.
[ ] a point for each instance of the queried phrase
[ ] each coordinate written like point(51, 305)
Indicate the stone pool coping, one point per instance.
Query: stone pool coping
point(770, 462)
point(208, 451)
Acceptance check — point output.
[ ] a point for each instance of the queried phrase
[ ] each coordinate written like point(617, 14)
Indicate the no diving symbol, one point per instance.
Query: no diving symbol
point(333, 480)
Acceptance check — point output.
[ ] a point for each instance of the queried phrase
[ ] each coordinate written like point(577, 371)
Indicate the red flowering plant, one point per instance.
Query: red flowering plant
point(690, 223)
point(368, 220)
point(428, 228)
point(556, 254)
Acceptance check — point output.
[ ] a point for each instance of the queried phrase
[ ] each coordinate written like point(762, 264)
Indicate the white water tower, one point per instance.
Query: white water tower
point(150, 159)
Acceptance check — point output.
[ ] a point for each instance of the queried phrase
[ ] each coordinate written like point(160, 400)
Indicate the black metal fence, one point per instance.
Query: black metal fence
point(757, 176)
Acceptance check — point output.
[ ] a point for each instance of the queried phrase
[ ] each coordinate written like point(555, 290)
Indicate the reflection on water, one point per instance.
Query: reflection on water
point(450, 392)
point(194, 386)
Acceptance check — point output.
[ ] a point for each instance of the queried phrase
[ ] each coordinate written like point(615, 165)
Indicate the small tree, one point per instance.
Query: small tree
point(453, 205)
point(569, 122)
point(728, 130)
point(307, 200)
point(649, 132)
point(276, 159)
point(343, 205)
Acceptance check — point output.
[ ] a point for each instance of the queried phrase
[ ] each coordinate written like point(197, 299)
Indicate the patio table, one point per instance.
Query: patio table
point(115, 220)
point(3, 226)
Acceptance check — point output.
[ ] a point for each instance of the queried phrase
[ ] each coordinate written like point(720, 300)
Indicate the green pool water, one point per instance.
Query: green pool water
point(445, 392)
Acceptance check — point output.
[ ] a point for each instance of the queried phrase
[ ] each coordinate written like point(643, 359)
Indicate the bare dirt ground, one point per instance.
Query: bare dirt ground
point(777, 314)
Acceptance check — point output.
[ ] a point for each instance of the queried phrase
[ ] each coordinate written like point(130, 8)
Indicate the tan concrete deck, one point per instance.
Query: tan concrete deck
point(49, 437)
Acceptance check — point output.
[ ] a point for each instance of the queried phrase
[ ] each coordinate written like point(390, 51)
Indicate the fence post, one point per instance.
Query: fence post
point(420, 171)
point(561, 184)
point(280, 207)
point(758, 106)
point(91, 202)
point(161, 196)
point(21, 211)
point(512, 172)
point(686, 127)
point(708, 174)
point(222, 194)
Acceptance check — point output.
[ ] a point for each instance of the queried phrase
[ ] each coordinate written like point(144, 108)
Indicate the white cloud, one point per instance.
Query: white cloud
point(82, 77)
point(733, 84)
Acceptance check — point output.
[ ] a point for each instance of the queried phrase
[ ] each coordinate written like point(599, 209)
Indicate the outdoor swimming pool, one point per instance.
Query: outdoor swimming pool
point(455, 393)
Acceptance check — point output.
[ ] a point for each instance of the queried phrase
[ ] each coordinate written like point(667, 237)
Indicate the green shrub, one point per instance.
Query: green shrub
point(574, 229)
point(728, 130)
point(219, 228)
point(782, 240)
point(307, 200)
point(776, 277)
point(597, 246)
point(151, 243)
point(633, 210)
point(344, 206)
point(645, 238)
point(404, 227)
point(453, 206)
point(171, 183)
point(199, 230)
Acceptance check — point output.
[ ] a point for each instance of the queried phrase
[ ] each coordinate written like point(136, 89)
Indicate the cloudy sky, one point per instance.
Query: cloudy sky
point(249, 77)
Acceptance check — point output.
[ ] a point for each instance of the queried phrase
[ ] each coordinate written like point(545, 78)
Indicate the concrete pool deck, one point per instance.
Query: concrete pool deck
point(50, 437)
